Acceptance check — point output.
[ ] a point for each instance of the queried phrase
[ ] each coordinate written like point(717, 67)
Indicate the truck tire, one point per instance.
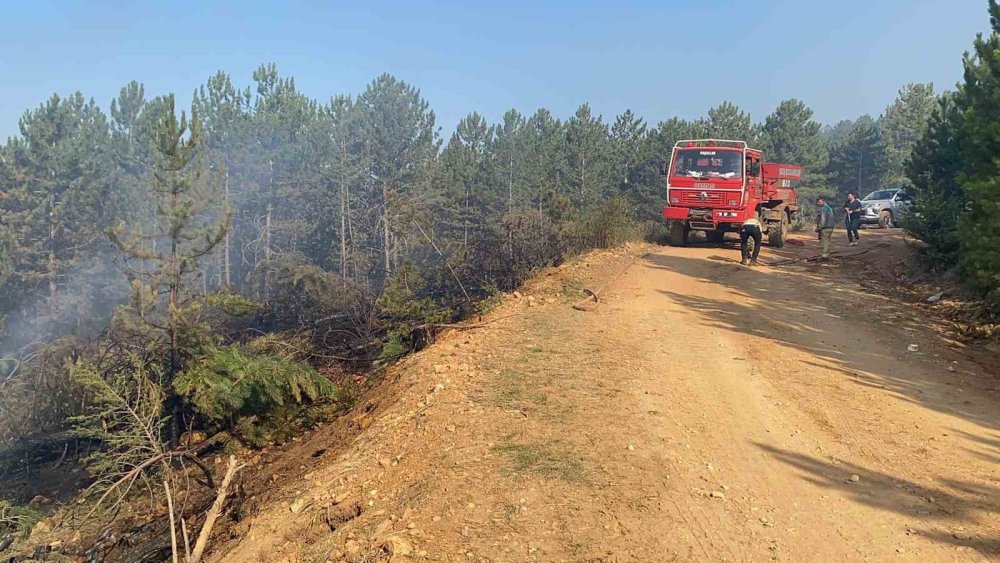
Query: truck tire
point(885, 219)
point(678, 234)
point(777, 232)
point(716, 236)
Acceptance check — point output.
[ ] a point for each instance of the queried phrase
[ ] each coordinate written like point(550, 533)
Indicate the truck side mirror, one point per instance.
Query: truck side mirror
point(663, 168)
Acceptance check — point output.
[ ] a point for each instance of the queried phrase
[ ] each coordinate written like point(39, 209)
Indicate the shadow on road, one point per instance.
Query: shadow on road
point(863, 338)
point(838, 324)
point(949, 513)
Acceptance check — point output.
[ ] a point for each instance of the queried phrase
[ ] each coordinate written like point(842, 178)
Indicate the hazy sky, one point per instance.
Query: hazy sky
point(658, 57)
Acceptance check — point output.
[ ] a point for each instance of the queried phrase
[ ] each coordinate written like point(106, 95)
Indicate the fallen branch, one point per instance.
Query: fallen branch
point(213, 513)
point(130, 477)
point(584, 304)
point(136, 471)
point(173, 524)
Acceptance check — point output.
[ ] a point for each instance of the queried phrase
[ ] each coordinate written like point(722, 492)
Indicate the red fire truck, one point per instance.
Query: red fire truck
point(714, 185)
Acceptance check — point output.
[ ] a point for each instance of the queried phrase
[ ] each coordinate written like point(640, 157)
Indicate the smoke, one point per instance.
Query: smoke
point(84, 300)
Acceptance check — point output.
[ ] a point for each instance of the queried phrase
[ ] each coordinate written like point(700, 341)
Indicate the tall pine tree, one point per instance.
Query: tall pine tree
point(790, 134)
point(902, 125)
point(167, 294)
point(859, 163)
point(933, 169)
point(979, 98)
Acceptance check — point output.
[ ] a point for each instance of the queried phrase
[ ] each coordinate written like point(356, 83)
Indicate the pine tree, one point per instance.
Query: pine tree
point(130, 147)
point(56, 200)
point(979, 98)
point(282, 166)
point(628, 140)
point(902, 125)
point(836, 133)
point(167, 295)
point(508, 153)
point(791, 135)
point(8, 242)
point(589, 155)
point(727, 121)
point(346, 170)
point(464, 160)
point(401, 142)
point(933, 169)
point(546, 161)
point(859, 162)
point(225, 112)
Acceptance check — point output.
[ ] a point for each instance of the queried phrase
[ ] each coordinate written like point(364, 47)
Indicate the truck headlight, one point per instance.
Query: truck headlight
point(734, 202)
point(675, 200)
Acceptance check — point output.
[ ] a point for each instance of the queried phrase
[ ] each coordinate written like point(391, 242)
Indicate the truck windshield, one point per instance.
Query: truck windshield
point(708, 163)
point(880, 195)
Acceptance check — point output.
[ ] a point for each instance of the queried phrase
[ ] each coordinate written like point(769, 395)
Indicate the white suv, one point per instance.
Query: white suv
point(885, 207)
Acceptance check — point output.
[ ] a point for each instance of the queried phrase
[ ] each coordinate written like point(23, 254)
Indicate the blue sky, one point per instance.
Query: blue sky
point(660, 58)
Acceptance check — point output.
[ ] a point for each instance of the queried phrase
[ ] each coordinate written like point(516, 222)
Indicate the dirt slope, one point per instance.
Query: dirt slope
point(703, 411)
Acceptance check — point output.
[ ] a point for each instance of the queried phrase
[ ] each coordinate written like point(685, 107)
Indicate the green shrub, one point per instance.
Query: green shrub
point(612, 224)
point(18, 519)
point(229, 382)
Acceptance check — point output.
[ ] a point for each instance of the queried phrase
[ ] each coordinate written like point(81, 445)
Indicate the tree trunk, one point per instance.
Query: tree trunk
point(345, 207)
point(343, 233)
point(51, 266)
point(386, 230)
point(510, 203)
point(266, 235)
point(510, 185)
point(465, 220)
point(173, 367)
point(226, 267)
point(266, 240)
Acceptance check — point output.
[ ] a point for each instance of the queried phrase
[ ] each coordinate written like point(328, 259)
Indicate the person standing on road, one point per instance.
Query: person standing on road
point(852, 219)
point(824, 225)
point(750, 230)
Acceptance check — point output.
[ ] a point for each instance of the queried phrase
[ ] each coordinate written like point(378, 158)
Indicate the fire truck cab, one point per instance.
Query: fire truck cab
point(713, 185)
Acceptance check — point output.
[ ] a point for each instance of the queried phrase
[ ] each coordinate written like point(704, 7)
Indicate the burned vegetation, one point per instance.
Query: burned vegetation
point(179, 285)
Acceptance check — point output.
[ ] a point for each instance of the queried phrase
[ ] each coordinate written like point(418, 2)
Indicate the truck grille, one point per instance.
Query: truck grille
point(701, 197)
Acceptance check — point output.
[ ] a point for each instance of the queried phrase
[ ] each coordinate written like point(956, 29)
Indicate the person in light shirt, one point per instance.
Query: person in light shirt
point(824, 226)
point(750, 230)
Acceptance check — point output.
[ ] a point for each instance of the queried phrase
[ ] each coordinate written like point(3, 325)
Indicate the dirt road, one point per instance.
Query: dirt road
point(702, 412)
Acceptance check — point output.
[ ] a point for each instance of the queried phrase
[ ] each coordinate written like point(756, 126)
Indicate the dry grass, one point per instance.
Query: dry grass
point(550, 459)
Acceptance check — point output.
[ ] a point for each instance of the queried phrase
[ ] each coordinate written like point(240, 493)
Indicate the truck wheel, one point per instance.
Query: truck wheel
point(678, 234)
point(778, 232)
point(885, 219)
point(715, 236)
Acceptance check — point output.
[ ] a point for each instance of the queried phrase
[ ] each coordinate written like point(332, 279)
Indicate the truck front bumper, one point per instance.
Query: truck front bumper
point(706, 219)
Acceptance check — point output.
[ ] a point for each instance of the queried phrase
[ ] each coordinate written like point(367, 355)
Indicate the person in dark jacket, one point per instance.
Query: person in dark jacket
point(824, 225)
point(852, 218)
point(750, 230)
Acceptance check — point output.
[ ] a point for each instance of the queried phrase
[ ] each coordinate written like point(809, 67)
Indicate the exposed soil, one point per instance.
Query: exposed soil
point(701, 411)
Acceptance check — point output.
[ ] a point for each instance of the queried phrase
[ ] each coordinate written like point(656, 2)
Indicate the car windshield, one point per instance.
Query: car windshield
point(880, 195)
point(708, 163)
